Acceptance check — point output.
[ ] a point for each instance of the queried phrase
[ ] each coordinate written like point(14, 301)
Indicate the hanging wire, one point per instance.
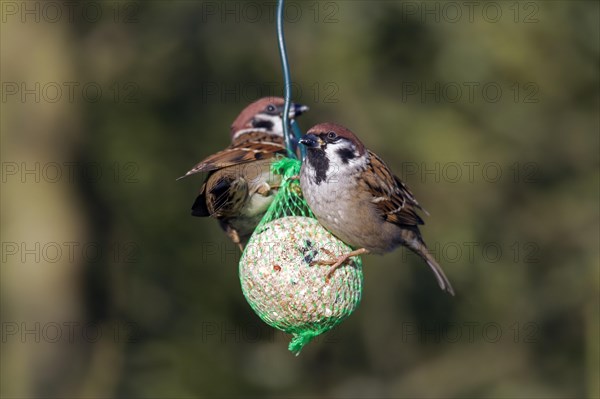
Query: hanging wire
point(287, 87)
point(298, 134)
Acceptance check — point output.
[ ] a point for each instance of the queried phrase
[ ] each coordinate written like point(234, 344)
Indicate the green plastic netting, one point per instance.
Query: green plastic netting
point(276, 274)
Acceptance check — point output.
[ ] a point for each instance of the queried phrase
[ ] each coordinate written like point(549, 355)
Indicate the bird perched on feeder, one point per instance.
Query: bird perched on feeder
point(357, 198)
point(240, 186)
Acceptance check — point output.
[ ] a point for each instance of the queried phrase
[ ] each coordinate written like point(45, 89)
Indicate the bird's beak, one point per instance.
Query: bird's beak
point(299, 109)
point(295, 110)
point(311, 141)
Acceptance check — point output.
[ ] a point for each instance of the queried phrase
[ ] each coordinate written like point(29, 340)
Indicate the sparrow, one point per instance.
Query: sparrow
point(355, 196)
point(239, 186)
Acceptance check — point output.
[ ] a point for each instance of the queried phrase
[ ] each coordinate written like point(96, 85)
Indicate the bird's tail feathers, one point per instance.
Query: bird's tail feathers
point(418, 247)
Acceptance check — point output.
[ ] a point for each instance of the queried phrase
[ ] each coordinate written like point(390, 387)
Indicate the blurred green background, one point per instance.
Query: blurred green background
point(488, 110)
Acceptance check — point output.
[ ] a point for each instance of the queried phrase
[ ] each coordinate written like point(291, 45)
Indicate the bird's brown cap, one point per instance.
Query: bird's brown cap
point(323, 129)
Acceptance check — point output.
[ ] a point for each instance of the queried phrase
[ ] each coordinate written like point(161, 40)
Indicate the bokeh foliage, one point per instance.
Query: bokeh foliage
point(353, 62)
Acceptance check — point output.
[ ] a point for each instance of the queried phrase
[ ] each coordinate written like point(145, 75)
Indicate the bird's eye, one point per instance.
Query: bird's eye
point(270, 108)
point(331, 136)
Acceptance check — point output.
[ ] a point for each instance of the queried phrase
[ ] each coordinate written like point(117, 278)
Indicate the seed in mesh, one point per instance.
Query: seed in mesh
point(285, 290)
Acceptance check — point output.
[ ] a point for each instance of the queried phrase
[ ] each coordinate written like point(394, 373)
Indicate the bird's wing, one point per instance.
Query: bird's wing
point(239, 154)
point(222, 195)
point(199, 208)
point(390, 195)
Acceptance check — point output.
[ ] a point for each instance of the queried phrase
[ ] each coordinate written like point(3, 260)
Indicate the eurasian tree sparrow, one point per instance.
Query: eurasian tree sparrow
point(356, 197)
point(240, 186)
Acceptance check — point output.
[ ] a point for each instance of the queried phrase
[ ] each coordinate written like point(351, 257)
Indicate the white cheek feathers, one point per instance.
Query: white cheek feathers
point(344, 157)
point(271, 123)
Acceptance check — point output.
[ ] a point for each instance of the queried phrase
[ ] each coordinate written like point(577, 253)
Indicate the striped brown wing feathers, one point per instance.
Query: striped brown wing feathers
point(390, 195)
point(234, 155)
point(256, 137)
point(222, 196)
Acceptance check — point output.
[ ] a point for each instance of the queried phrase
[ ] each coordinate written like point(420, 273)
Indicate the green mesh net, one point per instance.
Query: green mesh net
point(278, 277)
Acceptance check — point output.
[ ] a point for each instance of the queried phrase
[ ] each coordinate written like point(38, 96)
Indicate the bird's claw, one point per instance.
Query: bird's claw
point(337, 262)
point(323, 262)
point(334, 263)
point(264, 189)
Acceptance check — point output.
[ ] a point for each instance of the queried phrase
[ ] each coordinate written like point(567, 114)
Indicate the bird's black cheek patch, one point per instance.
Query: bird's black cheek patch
point(346, 154)
point(262, 124)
